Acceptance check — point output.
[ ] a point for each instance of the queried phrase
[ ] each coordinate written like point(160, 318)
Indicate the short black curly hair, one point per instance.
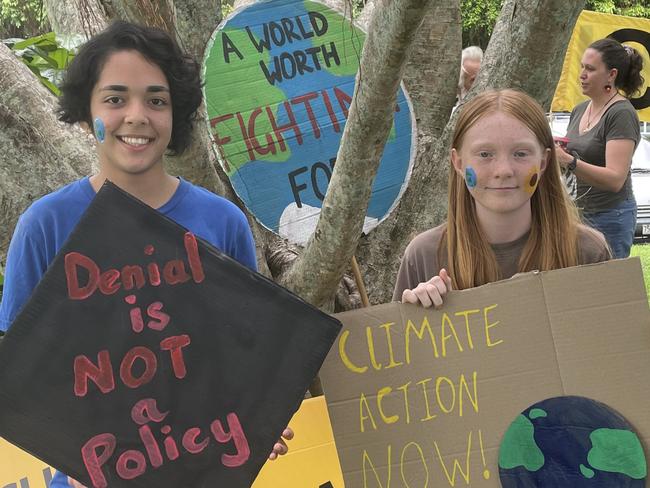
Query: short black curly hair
point(183, 74)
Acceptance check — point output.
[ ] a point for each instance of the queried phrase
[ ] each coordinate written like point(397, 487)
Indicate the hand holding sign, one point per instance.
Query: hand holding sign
point(429, 293)
point(280, 448)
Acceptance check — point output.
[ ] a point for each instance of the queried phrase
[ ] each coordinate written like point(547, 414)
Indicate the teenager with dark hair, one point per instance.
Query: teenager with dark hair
point(603, 133)
point(135, 90)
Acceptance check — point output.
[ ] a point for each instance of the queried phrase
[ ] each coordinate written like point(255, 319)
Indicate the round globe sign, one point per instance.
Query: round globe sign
point(572, 442)
point(279, 80)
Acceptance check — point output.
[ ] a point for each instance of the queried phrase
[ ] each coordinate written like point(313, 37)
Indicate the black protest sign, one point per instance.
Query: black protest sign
point(146, 357)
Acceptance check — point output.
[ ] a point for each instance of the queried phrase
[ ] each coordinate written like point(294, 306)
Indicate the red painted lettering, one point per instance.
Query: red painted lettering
point(192, 250)
point(132, 276)
point(213, 123)
point(330, 111)
point(126, 368)
point(147, 411)
point(174, 272)
point(154, 274)
point(247, 139)
point(93, 461)
point(305, 99)
point(160, 318)
point(171, 449)
point(74, 260)
point(237, 435)
point(344, 100)
point(136, 458)
point(151, 446)
point(175, 344)
point(137, 322)
point(270, 143)
point(101, 375)
point(291, 125)
point(108, 281)
point(189, 441)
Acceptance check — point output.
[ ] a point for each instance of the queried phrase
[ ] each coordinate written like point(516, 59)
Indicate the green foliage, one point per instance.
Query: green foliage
point(226, 9)
point(631, 8)
point(479, 17)
point(22, 18)
point(643, 251)
point(45, 56)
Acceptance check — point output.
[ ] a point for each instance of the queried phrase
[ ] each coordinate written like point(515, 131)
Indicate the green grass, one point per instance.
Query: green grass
point(643, 251)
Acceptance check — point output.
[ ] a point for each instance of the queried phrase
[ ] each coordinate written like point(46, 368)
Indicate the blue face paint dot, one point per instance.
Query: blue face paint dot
point(470, 177)
point(100, 130)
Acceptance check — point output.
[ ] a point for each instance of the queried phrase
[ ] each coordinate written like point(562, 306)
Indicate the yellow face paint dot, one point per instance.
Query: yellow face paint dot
point(532, 180)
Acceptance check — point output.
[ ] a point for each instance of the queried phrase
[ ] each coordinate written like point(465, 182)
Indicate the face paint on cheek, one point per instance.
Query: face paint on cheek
point(470, 177)
point(100, 130)
point(532, 180)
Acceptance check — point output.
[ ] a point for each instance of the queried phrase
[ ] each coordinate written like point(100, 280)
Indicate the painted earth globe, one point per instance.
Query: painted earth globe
point(571, 442)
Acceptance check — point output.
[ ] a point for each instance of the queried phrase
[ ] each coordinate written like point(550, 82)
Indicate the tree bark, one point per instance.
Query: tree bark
point(83, 18)
point(316, 273)
point(431, 79)
point(39, 153)
point(527, 47)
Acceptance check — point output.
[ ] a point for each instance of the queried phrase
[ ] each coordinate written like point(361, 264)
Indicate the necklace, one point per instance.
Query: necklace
point(599, 112)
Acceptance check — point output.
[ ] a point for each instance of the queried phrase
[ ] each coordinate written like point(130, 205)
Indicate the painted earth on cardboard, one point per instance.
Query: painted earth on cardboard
point(571, 441)
point(279, 80)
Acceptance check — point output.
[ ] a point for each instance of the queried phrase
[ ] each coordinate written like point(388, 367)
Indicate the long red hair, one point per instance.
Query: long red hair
point(553, 238)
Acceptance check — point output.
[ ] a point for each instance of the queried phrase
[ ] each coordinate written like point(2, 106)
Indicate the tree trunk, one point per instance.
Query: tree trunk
point(39, 153)
point(319, 268)
point(431, 78)
point(527, 47)
point(83, 18)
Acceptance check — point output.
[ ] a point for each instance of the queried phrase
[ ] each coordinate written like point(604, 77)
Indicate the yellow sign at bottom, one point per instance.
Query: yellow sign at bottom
point(312, 460)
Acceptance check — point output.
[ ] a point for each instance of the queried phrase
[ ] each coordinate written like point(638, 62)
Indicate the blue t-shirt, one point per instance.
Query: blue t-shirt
point(45, 226)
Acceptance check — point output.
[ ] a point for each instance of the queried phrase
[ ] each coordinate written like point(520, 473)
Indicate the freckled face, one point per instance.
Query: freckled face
point(501, 162)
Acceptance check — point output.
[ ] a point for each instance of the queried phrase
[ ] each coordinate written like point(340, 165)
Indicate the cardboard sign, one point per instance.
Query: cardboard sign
point(279, 80)
point(20, 470)
point(146, 357)
point(422, 397)
point(590, 27)
point(312, 460)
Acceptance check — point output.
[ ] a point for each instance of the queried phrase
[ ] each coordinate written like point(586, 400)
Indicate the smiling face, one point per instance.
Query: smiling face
point(594, 74)
point(501, 162)
point(131, 104)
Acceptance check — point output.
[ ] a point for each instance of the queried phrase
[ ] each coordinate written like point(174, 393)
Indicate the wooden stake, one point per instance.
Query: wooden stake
point(359, 280)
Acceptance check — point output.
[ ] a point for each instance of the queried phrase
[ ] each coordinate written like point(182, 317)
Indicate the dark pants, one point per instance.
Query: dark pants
point(617, 225)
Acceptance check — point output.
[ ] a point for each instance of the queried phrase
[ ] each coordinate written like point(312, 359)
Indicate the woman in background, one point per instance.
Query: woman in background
point(603, 133)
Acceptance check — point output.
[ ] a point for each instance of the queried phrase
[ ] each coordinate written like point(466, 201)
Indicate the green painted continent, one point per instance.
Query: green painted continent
point(617, 451)
point(519, 448)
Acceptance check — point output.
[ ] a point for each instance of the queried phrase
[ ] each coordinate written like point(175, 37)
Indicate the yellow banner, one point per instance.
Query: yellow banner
point(590, 27)
point(312, 461)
